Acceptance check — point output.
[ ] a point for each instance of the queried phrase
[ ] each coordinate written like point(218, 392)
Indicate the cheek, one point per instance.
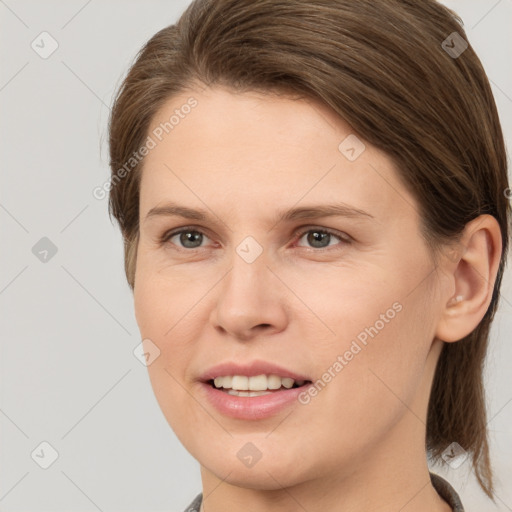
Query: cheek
point(159, 313)
point(168, 311)
point(165, 301)
point(381, 333)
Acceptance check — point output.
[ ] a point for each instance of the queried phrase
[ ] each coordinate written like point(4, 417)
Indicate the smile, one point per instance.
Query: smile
point(259, 385)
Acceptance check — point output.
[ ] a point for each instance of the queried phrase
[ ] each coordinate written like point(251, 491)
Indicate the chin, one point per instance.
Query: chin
point(271, 471)
point(262, 476)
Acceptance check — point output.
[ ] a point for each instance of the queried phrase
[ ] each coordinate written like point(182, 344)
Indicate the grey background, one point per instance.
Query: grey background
point(68, 374)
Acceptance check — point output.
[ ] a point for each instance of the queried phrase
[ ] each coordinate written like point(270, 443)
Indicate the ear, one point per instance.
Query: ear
point(472, 275)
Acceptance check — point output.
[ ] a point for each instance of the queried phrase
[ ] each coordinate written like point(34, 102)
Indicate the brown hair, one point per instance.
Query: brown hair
point(383, 67)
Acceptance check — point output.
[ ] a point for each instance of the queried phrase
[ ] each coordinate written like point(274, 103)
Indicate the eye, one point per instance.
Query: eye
point(319, 238)
point(187, 238)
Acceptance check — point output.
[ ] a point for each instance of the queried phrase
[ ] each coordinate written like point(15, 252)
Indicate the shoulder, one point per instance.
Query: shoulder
point(447, 492)
point(196, 504)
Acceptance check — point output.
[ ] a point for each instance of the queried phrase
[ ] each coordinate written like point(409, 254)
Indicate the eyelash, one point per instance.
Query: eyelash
point(164, 239)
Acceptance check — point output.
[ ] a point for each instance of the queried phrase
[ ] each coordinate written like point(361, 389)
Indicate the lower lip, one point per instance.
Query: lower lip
point(251, 407)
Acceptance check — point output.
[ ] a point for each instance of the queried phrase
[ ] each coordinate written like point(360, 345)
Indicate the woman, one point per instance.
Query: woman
point(312, 195)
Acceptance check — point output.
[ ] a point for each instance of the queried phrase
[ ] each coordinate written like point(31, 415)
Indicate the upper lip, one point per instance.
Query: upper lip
point(250, 369)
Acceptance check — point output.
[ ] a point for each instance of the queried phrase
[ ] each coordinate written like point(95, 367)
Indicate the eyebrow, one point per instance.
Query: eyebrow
point(307, 212)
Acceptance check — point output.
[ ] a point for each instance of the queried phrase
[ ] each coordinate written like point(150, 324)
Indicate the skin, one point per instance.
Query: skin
point(359, 444)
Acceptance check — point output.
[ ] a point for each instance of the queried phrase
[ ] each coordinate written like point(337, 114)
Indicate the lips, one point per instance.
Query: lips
point(251, 404)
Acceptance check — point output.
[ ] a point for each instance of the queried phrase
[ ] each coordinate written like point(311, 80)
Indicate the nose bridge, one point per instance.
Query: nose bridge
point(247, 298)
point(248, 273)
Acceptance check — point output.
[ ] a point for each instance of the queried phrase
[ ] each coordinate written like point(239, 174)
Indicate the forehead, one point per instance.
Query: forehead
point(255, 150)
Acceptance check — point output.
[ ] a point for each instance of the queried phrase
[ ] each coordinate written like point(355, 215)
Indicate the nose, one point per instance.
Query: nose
point(250, 300)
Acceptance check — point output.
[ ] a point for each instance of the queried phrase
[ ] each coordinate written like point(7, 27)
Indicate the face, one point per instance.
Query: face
point(303, 260)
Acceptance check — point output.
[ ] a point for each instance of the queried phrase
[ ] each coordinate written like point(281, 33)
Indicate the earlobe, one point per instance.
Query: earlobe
point(473, 276)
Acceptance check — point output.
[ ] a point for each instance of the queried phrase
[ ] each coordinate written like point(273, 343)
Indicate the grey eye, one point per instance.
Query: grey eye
point(189, 239)
point(318, 238)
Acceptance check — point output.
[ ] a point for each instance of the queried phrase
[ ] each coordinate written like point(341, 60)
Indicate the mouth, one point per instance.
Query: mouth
point(253, 386)
point(252, 390)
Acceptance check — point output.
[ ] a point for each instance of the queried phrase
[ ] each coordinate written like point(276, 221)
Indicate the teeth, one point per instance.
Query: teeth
point(240, 382)
point(287, 382)
point(257, 383)
point(273, 382)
